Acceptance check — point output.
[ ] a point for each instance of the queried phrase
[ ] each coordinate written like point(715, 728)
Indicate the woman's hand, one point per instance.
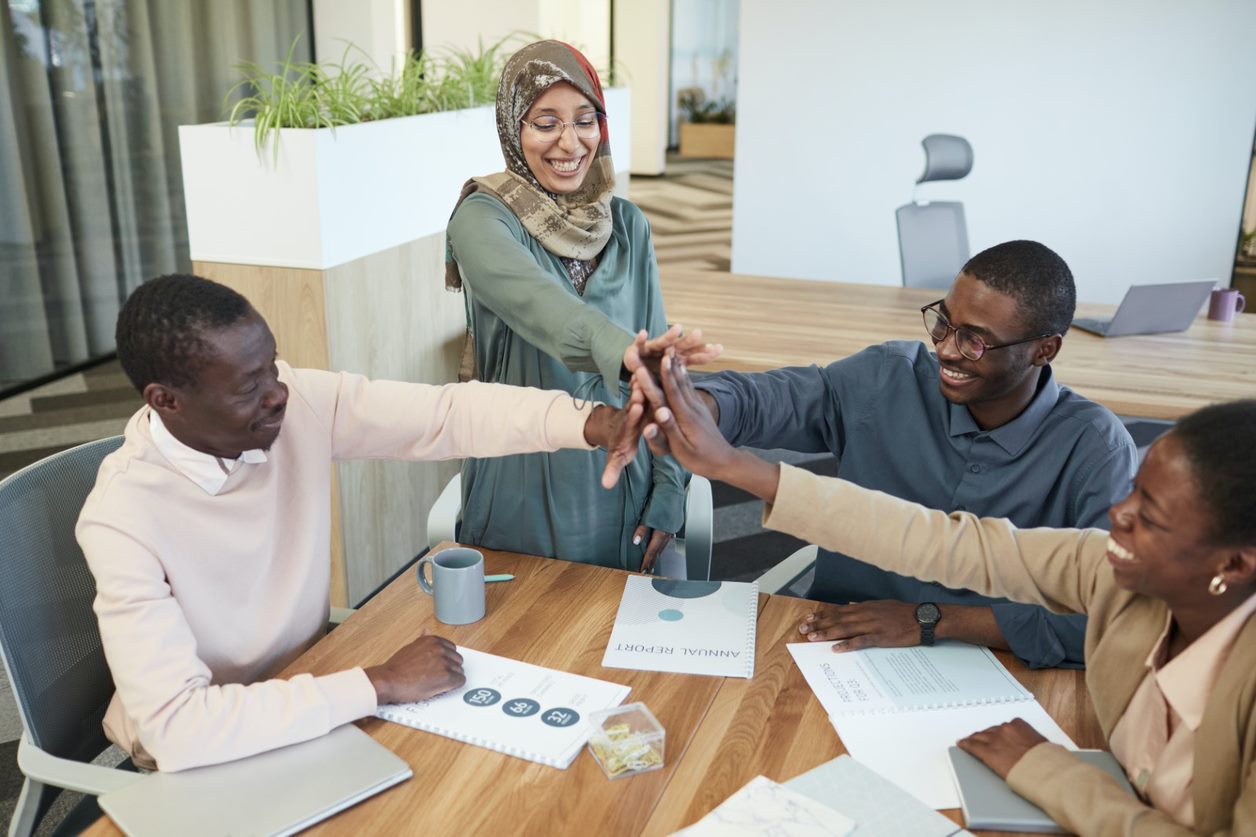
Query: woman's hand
point(619, 432)
point(1000, 747)
point(658, 541)
point(647, 353)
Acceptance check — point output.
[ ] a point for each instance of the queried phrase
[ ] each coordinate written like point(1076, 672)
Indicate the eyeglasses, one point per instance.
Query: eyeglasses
point(969, 344)
point(586, 126)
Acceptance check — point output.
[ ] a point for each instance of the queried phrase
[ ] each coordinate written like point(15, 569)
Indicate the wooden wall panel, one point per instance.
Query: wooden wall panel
point(291, 300)
point(389, 316)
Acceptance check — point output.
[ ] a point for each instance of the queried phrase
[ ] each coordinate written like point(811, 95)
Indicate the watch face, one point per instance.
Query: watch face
point(928, 613)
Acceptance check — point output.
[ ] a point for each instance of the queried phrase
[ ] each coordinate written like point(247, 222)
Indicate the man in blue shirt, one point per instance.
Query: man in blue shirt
point(980, 426)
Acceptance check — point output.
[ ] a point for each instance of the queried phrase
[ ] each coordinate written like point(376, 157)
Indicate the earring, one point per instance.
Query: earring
point(1217, 586)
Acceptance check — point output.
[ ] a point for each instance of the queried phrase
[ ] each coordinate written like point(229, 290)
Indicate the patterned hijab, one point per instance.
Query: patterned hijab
point(574, 227)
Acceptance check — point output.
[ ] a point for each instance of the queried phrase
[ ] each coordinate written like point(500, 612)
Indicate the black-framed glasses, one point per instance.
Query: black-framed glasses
point(970, 345)
point(586, 126)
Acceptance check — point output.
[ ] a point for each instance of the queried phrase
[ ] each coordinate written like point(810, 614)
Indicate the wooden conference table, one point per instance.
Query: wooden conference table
point(720, 732)
point(765, 323)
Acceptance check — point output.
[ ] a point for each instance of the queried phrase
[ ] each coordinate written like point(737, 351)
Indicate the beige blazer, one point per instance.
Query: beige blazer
point(1067, 571)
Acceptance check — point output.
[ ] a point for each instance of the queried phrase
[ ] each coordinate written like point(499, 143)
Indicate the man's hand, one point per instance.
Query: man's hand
point(647, 353)
point(654, 548)
point(1000, 747)
point(619, 432)
point(880, 624)
point(689, 434)
point(684, 429)
point(429, 666)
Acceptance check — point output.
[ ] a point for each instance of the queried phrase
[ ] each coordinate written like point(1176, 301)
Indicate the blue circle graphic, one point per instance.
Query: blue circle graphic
point(481, 697)
point(561, 716)
point(670, 615)
point(521, 707)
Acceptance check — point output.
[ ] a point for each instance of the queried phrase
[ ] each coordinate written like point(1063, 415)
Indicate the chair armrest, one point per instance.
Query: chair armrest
point(789, 570)
point(72, 775)
point(442, 520)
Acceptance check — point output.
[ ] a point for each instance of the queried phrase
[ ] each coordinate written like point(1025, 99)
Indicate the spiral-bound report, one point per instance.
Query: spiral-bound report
point(876, 680)
point(897, 710)
point(686, 627)
point(511, 707)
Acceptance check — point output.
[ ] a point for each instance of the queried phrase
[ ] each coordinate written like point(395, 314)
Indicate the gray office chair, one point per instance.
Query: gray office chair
point(933, 236)
point(49, 640)
point(688, 557)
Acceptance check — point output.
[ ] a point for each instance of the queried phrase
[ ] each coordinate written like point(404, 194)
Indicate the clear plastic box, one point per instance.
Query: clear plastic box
point(626, 740)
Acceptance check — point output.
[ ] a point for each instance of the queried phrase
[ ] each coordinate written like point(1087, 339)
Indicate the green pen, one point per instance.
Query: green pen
point(489, 579)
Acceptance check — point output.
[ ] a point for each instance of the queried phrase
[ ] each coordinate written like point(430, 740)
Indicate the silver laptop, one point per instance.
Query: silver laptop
point(1152, 309)
point(276, 793)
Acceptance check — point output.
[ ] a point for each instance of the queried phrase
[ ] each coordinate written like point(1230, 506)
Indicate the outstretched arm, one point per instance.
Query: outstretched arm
point(619, 432)
point(687, 431)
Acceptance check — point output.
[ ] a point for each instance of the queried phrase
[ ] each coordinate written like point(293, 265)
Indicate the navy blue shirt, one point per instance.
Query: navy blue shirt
point(1062, 463)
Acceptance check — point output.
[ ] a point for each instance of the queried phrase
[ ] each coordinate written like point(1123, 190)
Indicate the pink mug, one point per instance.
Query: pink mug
point(1225, 303)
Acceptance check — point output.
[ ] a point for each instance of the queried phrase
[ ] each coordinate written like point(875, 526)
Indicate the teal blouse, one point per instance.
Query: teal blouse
point(532, 329)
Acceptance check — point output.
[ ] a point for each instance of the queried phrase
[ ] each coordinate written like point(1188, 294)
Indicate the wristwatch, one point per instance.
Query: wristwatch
point(927, 616)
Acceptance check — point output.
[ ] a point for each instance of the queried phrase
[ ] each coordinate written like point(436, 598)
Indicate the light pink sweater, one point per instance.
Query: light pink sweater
point(203, 597)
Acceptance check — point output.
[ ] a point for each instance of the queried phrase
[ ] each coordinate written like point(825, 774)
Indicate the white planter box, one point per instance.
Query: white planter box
point(336, 195)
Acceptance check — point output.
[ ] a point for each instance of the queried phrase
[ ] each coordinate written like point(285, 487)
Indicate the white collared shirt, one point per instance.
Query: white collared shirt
point(208, 472)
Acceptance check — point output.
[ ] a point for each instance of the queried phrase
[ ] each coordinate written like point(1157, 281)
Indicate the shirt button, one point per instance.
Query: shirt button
point(974, 468)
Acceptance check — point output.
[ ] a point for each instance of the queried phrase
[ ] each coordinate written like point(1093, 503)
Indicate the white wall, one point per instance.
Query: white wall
point(376, 28)
point(1117, 133)
point(642, 51)
point(586, 24)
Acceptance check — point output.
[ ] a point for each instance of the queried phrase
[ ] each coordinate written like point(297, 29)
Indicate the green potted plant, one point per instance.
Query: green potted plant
point(707, 127)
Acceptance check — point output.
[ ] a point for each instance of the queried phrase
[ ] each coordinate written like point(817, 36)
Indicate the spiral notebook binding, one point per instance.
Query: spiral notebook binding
point(752, 633)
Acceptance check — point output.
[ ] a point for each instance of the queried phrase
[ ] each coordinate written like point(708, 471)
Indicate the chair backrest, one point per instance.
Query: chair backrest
point(48, 632)
point(947, 157)
point(932, 243)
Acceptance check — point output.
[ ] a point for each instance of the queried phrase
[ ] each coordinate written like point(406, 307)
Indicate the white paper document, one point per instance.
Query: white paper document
point(879, 807)
point(686, 627)
point(763, 807)
point(516, 708)
point(897, 710)
point(909, 748)
point(898, 679)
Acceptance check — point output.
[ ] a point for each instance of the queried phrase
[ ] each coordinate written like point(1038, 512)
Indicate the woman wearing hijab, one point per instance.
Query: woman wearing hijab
point(1170, 643)
point(560, 278)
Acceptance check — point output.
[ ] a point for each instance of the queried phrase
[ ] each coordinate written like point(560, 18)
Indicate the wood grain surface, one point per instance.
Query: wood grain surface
point(720, 732)
point(765, 323)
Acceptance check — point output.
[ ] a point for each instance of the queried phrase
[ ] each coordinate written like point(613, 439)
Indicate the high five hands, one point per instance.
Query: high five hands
point(644, 352)
point(681, 425)
point(619, 431)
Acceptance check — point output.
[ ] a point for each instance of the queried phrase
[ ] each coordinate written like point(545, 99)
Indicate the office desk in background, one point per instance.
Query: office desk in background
point(765, 323)
point(720, 733)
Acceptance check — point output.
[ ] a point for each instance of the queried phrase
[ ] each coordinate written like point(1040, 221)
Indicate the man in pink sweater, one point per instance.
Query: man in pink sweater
point(208, 531)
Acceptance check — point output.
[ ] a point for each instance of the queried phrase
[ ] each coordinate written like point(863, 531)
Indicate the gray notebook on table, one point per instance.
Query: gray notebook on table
point(276, 793)
point(988, 802)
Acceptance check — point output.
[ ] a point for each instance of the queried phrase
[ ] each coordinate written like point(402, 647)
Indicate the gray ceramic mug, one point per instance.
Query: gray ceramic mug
point(457, 584)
